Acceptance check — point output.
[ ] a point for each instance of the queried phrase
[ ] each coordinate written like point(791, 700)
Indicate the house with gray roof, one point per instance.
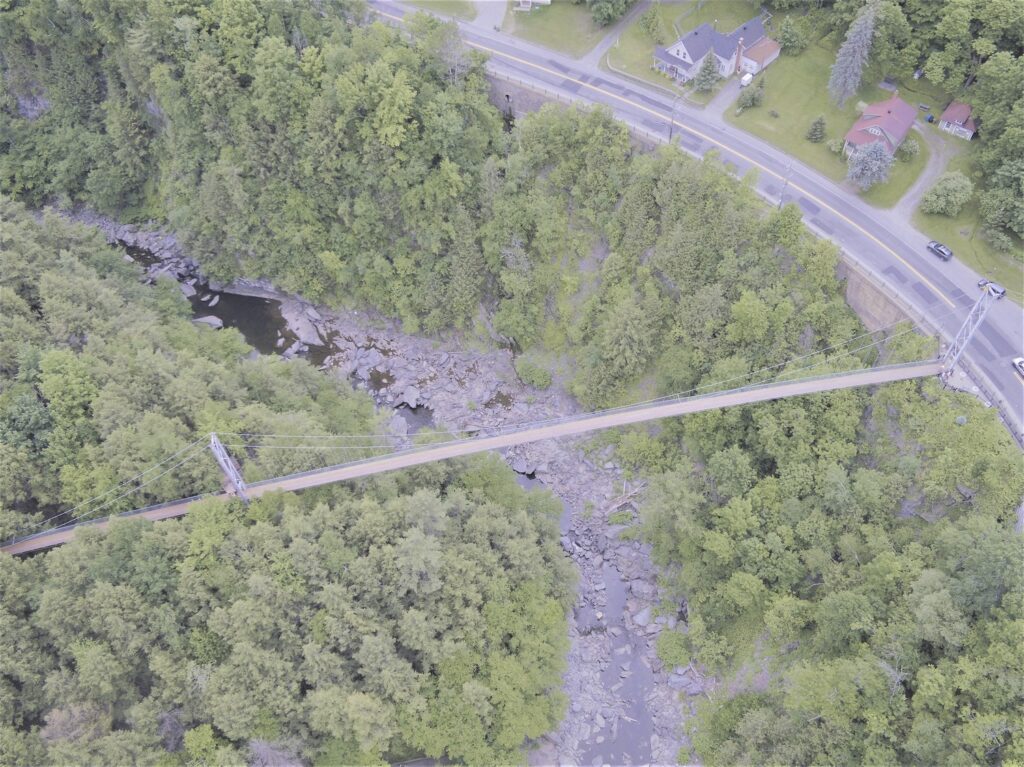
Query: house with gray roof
point(682, 59)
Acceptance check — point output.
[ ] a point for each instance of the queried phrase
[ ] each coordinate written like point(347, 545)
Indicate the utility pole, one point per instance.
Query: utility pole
point(785, 183)
point(990, 293)
point(672, 118)
point(227, 465)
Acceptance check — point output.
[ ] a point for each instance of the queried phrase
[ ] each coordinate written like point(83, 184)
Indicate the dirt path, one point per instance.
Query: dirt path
point(941, 150)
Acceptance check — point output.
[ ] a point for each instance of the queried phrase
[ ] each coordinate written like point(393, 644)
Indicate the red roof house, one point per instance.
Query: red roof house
point(957, 120)
point(887, 122)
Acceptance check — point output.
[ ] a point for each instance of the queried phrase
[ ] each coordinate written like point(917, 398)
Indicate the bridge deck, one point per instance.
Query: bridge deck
point(562, 428)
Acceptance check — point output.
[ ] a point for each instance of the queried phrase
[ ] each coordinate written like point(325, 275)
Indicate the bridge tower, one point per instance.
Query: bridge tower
point(990, 293)
point(228, 466)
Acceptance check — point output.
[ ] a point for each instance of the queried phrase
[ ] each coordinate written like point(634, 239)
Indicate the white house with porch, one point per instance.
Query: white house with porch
point(746, 49)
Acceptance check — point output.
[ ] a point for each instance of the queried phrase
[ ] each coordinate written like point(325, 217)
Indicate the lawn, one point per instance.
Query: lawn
point(460, 9)
point(723, 15)
point(963, 234)
point(796, 92)
point(633, 52)
point(562, 26)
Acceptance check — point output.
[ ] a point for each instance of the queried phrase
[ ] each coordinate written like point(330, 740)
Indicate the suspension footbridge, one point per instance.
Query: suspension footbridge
point(505, 437)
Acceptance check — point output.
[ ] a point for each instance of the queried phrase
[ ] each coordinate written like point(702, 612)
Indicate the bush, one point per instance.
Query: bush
point(751, 97)
point(835, 145)
point(1002, 242)
point(774, 114)
point(532, 375)
point(950, 193)
point(908, 150)
point(792, 36)
point(816, 133)
point(650, 24)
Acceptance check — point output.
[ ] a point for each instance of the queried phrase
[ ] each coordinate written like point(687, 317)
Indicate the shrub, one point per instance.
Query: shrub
point(651, 25)
point(532, 375)
point(835, 145)
point(1002, 242)
point(751, 97)
point(908, 150)
point(816, 133)
point(950, 193)
point(774, 114)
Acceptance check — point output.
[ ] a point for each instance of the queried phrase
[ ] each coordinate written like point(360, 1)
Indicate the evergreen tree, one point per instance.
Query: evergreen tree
point(707, 75)
point(853, 55)
point(869, 165)
point(816, 133)
point(792, 37)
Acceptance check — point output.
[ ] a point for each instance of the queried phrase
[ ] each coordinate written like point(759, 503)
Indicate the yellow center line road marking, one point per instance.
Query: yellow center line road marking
point(709, 139)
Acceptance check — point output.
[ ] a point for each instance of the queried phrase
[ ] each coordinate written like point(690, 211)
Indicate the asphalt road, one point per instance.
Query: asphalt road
point(553, 430)
point(881, 244)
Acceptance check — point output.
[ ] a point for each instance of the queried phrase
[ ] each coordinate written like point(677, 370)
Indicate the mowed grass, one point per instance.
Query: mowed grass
point(633, 52)
point(460, 9)
point(562, 26)
point(796, 89)
point(963, 233)
point(723, 15)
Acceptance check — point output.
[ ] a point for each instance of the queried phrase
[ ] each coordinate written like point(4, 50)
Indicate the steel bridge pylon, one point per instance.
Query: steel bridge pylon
point(228, 466)
point(990, 293)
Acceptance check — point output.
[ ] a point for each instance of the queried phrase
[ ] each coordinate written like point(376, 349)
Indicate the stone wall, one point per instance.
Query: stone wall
point(876, 308)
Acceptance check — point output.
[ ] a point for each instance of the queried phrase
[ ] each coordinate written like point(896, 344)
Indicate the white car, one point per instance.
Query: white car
point(1018, 365)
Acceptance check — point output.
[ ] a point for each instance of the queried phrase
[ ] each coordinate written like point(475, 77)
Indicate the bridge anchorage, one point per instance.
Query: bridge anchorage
point(990, 293)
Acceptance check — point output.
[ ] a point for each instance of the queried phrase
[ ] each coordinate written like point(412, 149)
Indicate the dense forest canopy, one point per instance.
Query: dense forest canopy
point(856, 547)
point(419, 613)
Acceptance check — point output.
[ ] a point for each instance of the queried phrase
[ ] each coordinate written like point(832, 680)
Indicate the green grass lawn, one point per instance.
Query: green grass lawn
point(460, 9)
point(563, 26)
point(723, 15)
point(963, 234)
point(797, 91)
point(633, 53)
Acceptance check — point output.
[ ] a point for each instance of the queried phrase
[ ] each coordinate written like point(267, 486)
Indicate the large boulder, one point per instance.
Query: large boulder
point(214, 322)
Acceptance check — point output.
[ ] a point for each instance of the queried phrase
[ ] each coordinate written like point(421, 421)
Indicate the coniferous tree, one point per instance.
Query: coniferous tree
point(707, 75)
point(869, 165)
point(792, 37)
point(816, 133)
point(853, 55)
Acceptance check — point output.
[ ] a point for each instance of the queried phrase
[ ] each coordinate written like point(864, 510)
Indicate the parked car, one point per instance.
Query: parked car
point(1018, 365)
point(940, 250)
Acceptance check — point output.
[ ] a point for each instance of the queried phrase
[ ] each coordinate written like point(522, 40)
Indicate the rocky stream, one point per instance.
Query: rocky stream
point(624, 706)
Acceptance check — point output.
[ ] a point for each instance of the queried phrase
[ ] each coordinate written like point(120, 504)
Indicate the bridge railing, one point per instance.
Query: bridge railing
point(598, 413)
point(97, 520)
point(512, 430)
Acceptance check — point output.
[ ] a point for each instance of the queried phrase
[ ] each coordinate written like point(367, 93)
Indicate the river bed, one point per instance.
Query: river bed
point(624, 707)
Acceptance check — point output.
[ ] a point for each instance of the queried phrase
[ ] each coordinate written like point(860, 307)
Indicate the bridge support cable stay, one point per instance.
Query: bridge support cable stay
point(554, 429)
